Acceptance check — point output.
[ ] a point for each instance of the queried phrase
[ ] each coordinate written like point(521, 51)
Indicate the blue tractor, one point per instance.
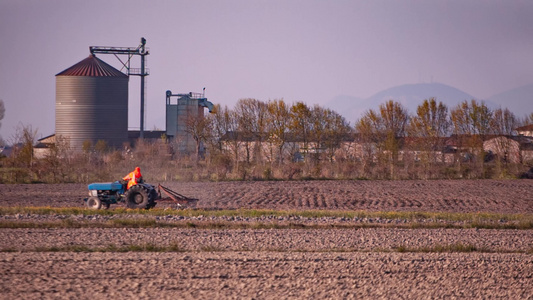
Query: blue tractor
point(141, 195)
point(102, 195)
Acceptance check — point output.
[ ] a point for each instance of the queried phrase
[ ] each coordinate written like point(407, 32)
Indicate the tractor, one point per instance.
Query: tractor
point(139, 196)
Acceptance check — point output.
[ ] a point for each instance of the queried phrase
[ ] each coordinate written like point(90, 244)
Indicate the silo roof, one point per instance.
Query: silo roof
point(92, 66)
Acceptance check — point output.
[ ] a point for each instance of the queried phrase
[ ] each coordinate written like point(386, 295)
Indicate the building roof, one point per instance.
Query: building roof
point(51, 139)
point(288, 137)
point(92, 66)
point(41, 146)
point(525, 128)
point(243, 136)
point(423, 143)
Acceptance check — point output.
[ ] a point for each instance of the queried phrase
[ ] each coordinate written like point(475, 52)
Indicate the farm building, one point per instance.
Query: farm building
point(92, 104)
point(525, 130)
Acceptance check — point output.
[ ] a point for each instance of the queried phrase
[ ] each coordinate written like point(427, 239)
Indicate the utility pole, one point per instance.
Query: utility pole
point(140, 50)
point(143, 75)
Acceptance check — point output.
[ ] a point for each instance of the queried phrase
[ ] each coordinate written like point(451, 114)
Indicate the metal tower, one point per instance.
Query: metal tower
point(140, 50)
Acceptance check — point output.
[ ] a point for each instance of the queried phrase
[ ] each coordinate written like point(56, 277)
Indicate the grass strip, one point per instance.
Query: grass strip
point(458, 247)
point(149, 247)
point(220, 225)
point(264, 213)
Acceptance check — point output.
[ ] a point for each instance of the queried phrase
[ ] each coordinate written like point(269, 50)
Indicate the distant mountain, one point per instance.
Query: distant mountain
point(412, 95)
point(349, 107)
point(518, 100)
point(409, 95)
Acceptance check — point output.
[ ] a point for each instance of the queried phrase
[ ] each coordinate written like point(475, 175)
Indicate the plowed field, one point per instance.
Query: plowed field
point(314, 263)
point(498, 196)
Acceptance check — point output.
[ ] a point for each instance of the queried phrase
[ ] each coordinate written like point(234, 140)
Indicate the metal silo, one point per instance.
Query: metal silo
point(188, 108)
point(92, 104)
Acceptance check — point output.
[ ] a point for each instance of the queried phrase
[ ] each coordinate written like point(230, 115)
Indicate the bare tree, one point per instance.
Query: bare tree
point(23, 141)
point(200, 130)
point(382, 131)
point(318, 123)
point(252, 119)
point(503, 122)
point(471, 125)
point(278, 121)
point(337, 130)
point(372, 134)
point(236, 137)
point(395, 118)
point(56, 164)
point(429, 127)
point(220, 126)
point(431, 120)
point(300, 124)
point(471, 118)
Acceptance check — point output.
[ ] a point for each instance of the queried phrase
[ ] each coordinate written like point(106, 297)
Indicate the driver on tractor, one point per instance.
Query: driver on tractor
point(133, 178)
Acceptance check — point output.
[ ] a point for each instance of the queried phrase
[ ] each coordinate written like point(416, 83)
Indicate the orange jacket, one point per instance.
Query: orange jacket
point(133, 177)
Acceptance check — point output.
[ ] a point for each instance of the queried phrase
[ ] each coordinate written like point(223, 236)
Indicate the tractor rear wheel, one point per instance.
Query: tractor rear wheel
point(94, 203)
point(137, 197)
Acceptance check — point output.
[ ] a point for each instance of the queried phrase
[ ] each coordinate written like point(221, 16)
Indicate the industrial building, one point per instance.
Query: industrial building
point(92, 104)
point(185, 108)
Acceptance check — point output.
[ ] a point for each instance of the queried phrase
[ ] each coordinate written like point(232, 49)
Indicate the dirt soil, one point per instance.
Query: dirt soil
point(497, 196)
point(265, 275)
point(357, 263)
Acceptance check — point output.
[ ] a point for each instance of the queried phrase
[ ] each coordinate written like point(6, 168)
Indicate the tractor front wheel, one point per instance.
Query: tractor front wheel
point(137, 197)
point(94, 203)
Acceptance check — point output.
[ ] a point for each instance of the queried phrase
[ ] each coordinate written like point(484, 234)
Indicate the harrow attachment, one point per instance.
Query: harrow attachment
point(168, 195)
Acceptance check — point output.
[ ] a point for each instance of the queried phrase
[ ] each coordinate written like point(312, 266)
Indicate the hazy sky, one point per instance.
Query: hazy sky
point(306, 50)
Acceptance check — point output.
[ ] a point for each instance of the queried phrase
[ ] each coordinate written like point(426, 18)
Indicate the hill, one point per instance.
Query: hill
point(410, 95)
point(518, 100)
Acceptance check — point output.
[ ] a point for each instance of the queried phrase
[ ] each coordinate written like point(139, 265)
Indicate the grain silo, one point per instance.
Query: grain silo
point(92, 104)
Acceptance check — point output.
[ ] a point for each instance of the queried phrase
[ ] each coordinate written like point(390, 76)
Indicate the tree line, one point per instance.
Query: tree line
point(228, 146)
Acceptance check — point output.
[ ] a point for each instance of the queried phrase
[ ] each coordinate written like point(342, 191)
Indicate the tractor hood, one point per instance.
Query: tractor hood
point(105, 186)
